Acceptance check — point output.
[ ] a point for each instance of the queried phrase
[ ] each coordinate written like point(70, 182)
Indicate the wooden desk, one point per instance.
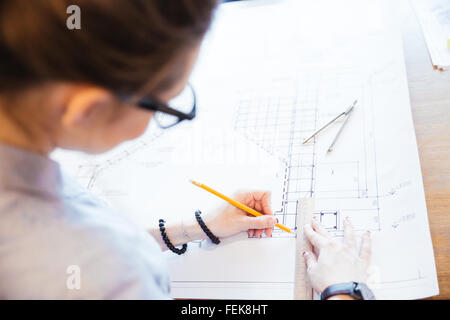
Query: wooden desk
point(430, 101)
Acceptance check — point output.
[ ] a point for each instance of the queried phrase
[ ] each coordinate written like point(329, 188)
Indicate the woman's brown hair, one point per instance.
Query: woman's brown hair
point(121, 45)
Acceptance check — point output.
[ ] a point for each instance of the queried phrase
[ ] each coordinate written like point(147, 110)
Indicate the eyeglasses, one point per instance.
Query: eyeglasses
point(182, 107)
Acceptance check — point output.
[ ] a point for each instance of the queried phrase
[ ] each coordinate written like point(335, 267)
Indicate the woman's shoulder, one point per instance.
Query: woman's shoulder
point(49, 239)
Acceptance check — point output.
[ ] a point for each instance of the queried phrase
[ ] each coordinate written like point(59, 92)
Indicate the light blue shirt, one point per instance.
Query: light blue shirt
point(58, 241)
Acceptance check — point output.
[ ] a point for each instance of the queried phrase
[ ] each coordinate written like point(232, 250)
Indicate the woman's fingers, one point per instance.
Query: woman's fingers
point(266, 208)
point(259, 223)
point(257, 205)
point(265, 203)
point(366, 248)
point(310, 260)
point(319, 229)
point(252, 233)
point(260, 201)
point(315, 238)
point(258, 233)
point(349, 234)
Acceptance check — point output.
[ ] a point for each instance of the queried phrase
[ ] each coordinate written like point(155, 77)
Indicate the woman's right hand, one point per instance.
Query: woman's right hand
point(332, 261)
point(229, 220)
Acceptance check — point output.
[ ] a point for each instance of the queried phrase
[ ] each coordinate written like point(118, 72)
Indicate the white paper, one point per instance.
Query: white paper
point(434, 17)
point(268, 77)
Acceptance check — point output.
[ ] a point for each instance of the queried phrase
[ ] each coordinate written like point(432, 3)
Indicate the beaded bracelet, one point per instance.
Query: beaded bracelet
point(167, 241)
point(208, 232)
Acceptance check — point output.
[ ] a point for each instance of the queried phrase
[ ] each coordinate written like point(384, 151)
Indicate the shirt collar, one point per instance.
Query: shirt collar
point(25, 170)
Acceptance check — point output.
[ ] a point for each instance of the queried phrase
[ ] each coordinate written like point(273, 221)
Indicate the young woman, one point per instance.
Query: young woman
point(91, 89)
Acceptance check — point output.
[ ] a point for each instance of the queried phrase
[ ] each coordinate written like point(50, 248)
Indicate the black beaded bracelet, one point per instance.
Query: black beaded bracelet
point(167, 241)
point(208, 232)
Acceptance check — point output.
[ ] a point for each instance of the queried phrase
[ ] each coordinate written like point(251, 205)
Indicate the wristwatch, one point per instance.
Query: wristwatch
point(357, 290)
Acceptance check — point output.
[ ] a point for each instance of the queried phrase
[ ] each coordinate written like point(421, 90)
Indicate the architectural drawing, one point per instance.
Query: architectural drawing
point(279, 116)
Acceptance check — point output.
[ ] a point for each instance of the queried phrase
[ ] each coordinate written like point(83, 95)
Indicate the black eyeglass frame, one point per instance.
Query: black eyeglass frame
point(157, 106)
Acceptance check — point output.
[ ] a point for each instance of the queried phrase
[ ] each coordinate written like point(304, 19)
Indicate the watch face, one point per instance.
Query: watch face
point(365, 292)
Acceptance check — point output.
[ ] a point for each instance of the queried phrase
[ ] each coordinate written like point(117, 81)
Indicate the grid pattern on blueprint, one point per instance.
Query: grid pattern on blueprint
point(277, 117)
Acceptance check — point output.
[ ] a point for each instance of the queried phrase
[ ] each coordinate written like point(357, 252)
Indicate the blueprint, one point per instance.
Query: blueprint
point(262, 89)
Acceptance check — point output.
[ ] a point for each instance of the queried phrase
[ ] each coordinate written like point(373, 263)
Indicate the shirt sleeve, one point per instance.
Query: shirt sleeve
point(125, 268)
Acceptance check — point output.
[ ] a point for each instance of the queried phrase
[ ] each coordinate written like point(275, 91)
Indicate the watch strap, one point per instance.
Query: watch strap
point(347, 288)
point(364, 291)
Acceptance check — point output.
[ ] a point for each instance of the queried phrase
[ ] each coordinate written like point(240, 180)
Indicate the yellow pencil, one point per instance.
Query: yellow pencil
point(237, 204)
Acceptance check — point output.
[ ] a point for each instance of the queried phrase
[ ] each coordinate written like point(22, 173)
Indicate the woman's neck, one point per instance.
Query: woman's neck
point(16, 130)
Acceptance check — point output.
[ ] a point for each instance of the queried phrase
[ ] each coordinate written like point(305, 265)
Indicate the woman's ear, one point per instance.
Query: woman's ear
point(85, 106)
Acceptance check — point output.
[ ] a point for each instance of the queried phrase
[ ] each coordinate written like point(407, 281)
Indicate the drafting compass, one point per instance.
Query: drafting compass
point(345, 114)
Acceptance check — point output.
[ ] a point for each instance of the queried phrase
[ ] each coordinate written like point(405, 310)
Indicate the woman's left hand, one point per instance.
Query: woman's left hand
point(229, 220)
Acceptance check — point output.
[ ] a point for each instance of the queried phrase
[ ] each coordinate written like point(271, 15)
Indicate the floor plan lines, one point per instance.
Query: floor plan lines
point(278, 116)
point(330, 220)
